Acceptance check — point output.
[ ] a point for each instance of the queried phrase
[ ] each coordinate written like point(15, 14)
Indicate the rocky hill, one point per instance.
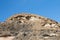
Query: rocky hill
point(30, 27)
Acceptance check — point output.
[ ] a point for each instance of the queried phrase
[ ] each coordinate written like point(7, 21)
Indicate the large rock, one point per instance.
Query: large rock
point(30, 27)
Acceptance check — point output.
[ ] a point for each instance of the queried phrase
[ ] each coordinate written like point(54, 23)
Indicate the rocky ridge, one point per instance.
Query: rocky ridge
point(30, 27)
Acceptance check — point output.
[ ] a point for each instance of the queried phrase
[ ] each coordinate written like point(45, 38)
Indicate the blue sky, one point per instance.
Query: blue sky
point(47, 8)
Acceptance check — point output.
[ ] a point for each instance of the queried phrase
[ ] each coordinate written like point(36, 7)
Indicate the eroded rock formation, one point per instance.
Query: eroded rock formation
point(30, 27)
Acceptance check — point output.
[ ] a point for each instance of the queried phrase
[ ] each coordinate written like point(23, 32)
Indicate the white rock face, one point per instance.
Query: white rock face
point(33, 18)
point(6, 38)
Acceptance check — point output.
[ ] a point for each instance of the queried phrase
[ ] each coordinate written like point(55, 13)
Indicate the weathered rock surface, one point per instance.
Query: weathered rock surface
point(30, 27)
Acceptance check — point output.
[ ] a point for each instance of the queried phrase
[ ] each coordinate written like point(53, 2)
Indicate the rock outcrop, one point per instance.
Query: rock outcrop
point(30, 27)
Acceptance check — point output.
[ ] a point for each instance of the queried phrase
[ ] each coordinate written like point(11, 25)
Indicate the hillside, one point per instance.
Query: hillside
point(29, 27)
